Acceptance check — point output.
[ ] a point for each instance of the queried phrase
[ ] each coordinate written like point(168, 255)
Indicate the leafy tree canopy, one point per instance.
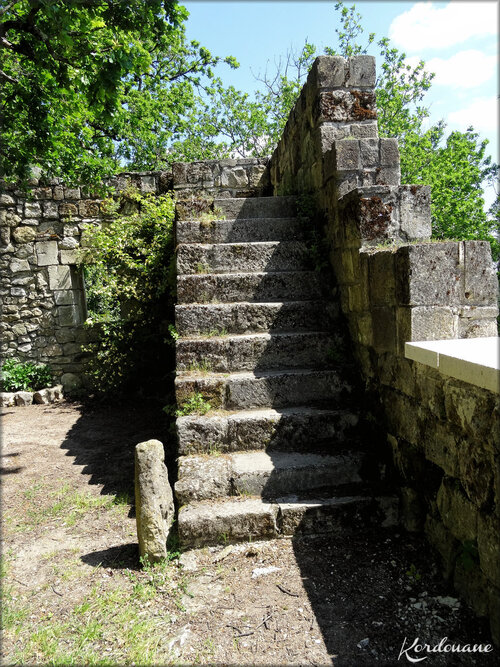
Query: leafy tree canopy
point(89, 83)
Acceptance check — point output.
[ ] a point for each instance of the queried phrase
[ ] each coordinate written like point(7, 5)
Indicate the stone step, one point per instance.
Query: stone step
point(266, 389)
point(262, 287)
point(264, 351)
point(193, 258)
point(268, 475)
point(294, 429)
point(257, 207)
point(246, 317)
point(211, 522)
point(240, 231)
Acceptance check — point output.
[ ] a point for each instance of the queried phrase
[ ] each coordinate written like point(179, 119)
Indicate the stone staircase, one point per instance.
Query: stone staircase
point(283, 449)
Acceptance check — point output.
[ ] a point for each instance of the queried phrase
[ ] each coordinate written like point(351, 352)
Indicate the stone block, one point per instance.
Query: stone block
point(328, 72)
point(60, 277)
point(429, 274)
point(72, 193)
point(384, 329)
point(389, 152)
point(68, 243)
point(89, 209)
point(347, 155)
point(432, 323)
point(457, 512)
point(46, 253)
point(481, 284)
point(22, 398)
point(7, 399)
point(234, 177)
point(153, 500)
point(361, 71)
point(32, 210)
point(24, 234)
point(488, 542)
point(415, 211)
point(441, 446)
point(382, 278)
point(58, 193)
point(387, 176)
point(50, 209)
point(69, 316)
point(68, 256)
point(71, 382)
point(369, 152)
point(147, 184)
point(64, 297)
point(67, 210)
point(7, 200)
point(366, 130)
point(19, 265)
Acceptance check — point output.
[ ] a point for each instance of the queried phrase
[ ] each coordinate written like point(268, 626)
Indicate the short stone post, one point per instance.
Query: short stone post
point(154, 504)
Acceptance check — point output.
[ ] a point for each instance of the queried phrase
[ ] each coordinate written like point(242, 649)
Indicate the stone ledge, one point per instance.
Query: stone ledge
point(473, 360)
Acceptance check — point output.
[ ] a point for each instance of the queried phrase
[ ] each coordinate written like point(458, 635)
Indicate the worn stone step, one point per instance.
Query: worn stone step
point(257, 207)
point(211, 522)
point(261, 287)
point(241, 231)
point(246, 317)
point(266, 389)
point(234, 257)
point(264, 351)
point(294, 429)
point(266, 474)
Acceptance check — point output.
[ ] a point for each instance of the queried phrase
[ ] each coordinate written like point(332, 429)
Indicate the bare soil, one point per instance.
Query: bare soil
point(74, 591)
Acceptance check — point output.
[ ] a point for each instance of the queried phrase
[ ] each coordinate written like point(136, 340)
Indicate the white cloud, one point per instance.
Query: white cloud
point(425, 26)
point(482, 114)
point(465, 69)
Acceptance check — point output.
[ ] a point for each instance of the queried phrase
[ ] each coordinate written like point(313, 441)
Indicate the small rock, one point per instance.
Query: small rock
point(7, 399)
point(55, 393)
point(262, 571)
point(448, 601)
point(41, 397)
point(23, 398)
point(363, 643)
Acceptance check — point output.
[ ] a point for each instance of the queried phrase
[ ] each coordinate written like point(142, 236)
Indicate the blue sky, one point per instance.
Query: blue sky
point(458, 40)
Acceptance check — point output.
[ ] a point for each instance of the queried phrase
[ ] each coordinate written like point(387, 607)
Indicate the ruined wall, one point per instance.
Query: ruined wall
point(397, 286)
point(43, 299)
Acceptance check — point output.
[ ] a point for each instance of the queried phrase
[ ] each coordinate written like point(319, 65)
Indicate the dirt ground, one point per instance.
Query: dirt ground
point(74, 591)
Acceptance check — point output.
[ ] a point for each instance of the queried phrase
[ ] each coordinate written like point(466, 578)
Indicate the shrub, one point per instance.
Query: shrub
point(27, 376)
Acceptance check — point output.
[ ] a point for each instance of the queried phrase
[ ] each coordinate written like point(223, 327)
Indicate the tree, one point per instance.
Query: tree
point(90, 85)
point(456, 166)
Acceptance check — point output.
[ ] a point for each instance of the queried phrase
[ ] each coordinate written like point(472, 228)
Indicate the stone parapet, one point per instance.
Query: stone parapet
point(243, 177)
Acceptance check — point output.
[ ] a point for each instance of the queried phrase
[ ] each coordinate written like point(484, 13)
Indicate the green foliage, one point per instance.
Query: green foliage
point(130, 281)
point(27, 376)
point(195, 404)
point(86, 84)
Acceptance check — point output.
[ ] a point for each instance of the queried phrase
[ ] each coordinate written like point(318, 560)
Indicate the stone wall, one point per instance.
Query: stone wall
point(43, 299)
point(43, 296)
point(397, 286)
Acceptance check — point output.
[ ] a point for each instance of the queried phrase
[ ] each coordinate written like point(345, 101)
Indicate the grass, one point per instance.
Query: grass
point(107, 627)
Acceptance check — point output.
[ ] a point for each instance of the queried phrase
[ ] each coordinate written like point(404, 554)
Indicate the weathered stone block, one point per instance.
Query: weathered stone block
point(46, 252)
point(369, 152)
point(89, 209)
point(389, 152)
point(69, 316)
point(71, 382)
point(347, 155)
point(234, 177)
point(22, 398)
point(19, 265)
point(64, 297)
point(328, 72)
point(481, 284)
point(67, 210)
point(59, 277)
point(153, 500)
point(384, 329)
point(361, 71)
point(32, 210)
point(72, 193)
point(458, 514)
point(23, 234)
point(415, 211)
point(7, 399)
point(382, 279)
point(50, 209)
point(429, 274)
point(68, 256)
